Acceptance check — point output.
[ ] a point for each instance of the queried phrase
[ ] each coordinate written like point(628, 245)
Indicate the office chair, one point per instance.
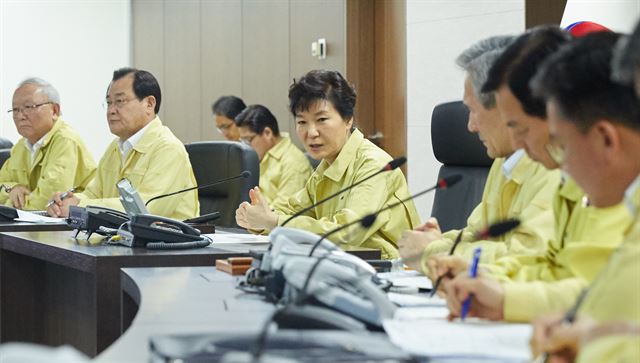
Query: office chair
point(5, 143)
point(460, 152)
point(216, 160)
point(4, 155)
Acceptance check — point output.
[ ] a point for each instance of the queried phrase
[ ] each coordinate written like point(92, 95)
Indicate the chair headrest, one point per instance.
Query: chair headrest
point(452, 142)
point(216, 160)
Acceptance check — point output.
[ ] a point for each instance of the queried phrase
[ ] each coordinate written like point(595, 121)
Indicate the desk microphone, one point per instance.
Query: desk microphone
point(393, 164)
point(368, 220)
point(244, 174)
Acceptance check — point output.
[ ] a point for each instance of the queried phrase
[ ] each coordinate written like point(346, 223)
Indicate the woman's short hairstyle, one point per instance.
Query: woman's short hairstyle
point(323, 85)
point(257, 118)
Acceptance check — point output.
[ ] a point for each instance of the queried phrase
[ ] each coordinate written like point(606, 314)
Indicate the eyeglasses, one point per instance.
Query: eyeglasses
point(224, 127)
point(555, 150)
point(248, 140)
point(27, 109)
point(117, 103)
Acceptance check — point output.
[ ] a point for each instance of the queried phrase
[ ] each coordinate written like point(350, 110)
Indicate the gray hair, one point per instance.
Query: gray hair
point(626, 57)
point(478, 59)
point(44, 87)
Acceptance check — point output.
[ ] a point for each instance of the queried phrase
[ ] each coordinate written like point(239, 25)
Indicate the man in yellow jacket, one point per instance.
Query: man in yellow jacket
point(598, 123)
point(145, 152)
point(49, 157)
point(284, 169)
point(517, 187)
point(585, 236)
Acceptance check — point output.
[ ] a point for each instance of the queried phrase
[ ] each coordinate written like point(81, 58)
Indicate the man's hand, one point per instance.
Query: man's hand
point(257, 215)
point(60, 207)
point(431, 225)
point(18, 196)
point(561, 341)
point(487, 296)
point(412, 244)
point(446, 266)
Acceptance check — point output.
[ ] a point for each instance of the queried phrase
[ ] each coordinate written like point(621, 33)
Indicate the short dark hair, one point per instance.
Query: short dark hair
point(578, 80)
point(519, 63)
point(323, 85)
point(144, 84)
point(256, 118)
point(626, 62)
point(228, 106)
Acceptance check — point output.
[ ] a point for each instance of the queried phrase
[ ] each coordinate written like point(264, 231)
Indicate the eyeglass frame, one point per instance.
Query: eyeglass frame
point(27, 110)
point(118, 103)
point(249, 140)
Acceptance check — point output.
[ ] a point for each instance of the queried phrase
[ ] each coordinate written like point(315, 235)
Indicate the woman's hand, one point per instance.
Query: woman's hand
point(257, 215)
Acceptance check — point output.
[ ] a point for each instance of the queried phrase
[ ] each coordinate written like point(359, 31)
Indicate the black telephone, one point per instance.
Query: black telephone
point(91, 218)
point(155, 232)
point(8, 213)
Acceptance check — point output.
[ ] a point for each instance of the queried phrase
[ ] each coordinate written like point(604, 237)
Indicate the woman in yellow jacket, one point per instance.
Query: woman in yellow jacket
point(322, 103)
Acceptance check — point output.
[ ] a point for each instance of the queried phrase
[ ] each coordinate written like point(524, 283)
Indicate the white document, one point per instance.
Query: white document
point(407, 279)
point(423, 312)
point(235, 238)
point(24, 216)
point(406, 300)
point(462, 340)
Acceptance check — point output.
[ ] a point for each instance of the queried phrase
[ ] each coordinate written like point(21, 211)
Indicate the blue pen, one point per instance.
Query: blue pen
point(473, 272)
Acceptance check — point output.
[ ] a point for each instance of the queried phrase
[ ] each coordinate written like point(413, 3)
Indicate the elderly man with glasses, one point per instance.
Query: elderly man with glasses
point(145, 152)
point(49, 157)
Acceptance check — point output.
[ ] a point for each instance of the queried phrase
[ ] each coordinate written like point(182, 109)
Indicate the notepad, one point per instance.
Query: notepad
point(24, 216)
point(231, 238)
point(467, 340)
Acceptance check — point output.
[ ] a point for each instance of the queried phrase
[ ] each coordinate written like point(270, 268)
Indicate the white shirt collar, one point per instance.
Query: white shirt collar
point(511, 162)
point(33, 149)
point(127, 145)
point(628, 196)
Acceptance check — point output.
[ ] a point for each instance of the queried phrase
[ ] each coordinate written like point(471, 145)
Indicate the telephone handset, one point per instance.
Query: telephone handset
point(146, 230)
point(8, 213)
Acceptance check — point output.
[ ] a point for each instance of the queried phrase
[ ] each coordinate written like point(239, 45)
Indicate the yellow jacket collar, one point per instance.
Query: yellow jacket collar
point(345, 158)
point(56, 126)
point(149, 136)
point(278, 150)
point(632, 197)
point(570, 190)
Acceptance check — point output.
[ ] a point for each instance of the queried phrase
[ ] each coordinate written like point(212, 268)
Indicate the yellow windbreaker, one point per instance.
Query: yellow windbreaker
point(358, 159)
point(284, 170)
point(158, 164)
point(585, 238)
point(615, 294)
point(63, 162)
point(527, 195)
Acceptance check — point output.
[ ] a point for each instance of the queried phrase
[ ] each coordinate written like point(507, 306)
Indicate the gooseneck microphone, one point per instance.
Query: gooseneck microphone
point(392, 165)
point(368, 220)
point(244, 174)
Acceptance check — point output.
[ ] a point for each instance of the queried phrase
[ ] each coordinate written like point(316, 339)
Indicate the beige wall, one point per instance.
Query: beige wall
point(203, 49)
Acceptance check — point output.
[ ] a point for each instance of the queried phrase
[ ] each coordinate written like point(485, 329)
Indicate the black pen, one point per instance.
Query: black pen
point(62, 197)
point(451, 251)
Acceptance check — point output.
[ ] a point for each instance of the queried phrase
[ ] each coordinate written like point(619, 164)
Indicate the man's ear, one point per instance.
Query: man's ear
point(608, 138)
point(56, 110)
point(267, 132)
point(151, 103)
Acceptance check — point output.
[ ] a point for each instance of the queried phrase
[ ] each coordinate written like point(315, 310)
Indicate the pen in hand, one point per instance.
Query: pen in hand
point(473, 273)
point(434, 290)
point(62, 196)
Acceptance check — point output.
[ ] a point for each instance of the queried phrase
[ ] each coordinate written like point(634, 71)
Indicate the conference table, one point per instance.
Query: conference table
point(56, 290)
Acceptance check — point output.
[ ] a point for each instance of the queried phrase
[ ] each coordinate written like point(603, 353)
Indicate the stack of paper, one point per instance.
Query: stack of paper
point(471, 340)
point(24, 216)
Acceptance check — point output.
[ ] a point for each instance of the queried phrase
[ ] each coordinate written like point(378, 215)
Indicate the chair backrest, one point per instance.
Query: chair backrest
point(460, 152)
point(5, 143)
point(216, 160)
point(4, 155)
